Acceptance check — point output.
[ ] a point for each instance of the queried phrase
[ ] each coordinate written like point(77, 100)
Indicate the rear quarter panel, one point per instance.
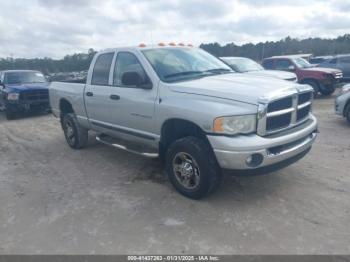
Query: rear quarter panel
point(72, 93)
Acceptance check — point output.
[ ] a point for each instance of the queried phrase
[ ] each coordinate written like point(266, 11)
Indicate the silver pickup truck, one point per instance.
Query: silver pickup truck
point(188, 108)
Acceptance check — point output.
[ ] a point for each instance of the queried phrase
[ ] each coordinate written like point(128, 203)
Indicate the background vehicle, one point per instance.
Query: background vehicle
point(322, 80)
point(341, 62)
point(23, 90)
point(190, 109)
point(342, 103)
point(246, 65)
point(319, 59)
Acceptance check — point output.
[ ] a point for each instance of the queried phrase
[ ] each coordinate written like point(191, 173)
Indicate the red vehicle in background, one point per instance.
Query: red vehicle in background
point(322, 80)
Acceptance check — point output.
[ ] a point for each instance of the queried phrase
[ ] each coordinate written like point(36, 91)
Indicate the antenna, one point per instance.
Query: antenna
point(151, 38)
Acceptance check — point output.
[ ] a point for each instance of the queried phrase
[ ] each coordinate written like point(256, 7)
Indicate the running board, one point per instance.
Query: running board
point(127, 146)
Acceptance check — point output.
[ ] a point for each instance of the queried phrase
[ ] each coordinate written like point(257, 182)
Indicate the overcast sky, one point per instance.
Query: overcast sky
point(53, 28)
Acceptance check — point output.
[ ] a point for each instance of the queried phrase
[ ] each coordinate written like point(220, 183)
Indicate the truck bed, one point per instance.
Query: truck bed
point(71, 92)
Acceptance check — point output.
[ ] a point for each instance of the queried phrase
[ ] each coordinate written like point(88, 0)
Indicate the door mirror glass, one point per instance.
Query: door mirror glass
point(131, 79)
point(135, 79)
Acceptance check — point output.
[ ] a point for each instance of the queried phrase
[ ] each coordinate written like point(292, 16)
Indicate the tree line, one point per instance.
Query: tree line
point(288, 45)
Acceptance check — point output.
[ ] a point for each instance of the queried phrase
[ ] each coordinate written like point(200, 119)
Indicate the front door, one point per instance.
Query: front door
point(136, 104)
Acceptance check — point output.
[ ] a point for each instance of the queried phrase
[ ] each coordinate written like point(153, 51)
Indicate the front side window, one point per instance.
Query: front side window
point(23, 77)
point(101, 70)
point(127, 62)
point(244, 65)
point(345, 60)
point(301, 63)
point(178, 64)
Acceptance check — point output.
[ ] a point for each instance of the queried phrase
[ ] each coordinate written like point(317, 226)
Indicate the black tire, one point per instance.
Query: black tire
point(327, 91)
point(10, 115)
point(203, 163)
point(314, 85)
point(347, 112)
point(76, 136)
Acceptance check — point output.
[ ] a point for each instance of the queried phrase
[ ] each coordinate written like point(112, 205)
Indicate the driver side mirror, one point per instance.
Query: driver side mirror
point(291, 68)
point(136, 80)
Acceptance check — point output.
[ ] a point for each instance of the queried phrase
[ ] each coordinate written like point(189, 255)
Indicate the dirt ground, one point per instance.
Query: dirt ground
point(100, 200)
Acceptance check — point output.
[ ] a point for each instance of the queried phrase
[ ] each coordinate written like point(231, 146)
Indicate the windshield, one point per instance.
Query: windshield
point(24, 77)
point(243, 64)
point(177, 64)
point(301, 63)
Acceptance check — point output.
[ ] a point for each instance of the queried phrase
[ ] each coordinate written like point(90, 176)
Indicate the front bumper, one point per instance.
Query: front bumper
point(235, 153)
point(340, 103)
point(23, 106)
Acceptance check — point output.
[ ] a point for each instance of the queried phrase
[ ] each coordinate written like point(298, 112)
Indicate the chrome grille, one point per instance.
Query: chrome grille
point(35, 95)
point(284, 113)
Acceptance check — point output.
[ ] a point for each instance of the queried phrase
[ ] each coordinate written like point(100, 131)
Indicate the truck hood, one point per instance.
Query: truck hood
point(322, 70)
point(274, 73)
point(237, 87)
point(27, 87)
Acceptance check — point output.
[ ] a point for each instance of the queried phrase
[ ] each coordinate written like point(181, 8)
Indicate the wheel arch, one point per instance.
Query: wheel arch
point(65, 107)
point(346, 107)
point(175, 128)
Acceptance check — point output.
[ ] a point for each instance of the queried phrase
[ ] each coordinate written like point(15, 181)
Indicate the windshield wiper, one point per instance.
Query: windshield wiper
point(184, 74)
point(219, 70)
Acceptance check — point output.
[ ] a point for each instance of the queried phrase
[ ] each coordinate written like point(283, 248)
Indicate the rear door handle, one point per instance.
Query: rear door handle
point(114, 97)
point(89, 94)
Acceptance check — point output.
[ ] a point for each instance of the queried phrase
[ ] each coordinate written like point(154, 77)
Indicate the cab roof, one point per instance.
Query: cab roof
point(147, 47)
point(18, 71)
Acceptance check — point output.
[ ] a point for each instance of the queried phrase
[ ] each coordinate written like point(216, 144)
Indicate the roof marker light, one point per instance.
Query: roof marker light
point(142, 45)
point(181, 44)
point(190, 45)
point(161, 44)
point(172, 44)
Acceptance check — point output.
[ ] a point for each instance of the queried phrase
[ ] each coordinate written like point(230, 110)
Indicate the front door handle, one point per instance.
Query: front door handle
point(114, 97)
point(89, 94)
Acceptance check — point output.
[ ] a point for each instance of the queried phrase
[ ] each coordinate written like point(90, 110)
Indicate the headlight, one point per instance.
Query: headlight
point(12, 96)
point(233, 125)
point(345, 89)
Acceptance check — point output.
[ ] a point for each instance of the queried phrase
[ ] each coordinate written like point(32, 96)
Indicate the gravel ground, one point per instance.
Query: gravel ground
point(99, 200)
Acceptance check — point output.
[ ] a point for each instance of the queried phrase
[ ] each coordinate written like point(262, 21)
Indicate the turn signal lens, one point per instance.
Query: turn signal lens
point(218, 123)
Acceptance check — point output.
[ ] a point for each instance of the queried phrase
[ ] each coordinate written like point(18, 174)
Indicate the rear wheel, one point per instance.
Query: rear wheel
point(192, 167)
point(76, 136)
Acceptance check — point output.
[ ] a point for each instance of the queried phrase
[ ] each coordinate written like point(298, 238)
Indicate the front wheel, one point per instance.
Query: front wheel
point(327, 91)
point(192, 167)
point(347, 112)
point(76, 136)
point(10, 115)
point(314, 85)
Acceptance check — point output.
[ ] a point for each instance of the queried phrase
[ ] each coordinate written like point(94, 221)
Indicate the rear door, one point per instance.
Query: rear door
point(99, 107)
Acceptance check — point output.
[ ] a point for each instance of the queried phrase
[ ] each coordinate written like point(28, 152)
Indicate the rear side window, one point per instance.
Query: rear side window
point(283, 64)
point(268, 64)
point(101, 70)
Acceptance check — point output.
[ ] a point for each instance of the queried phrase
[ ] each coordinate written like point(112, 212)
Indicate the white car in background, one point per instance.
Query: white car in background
point(249, 66)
